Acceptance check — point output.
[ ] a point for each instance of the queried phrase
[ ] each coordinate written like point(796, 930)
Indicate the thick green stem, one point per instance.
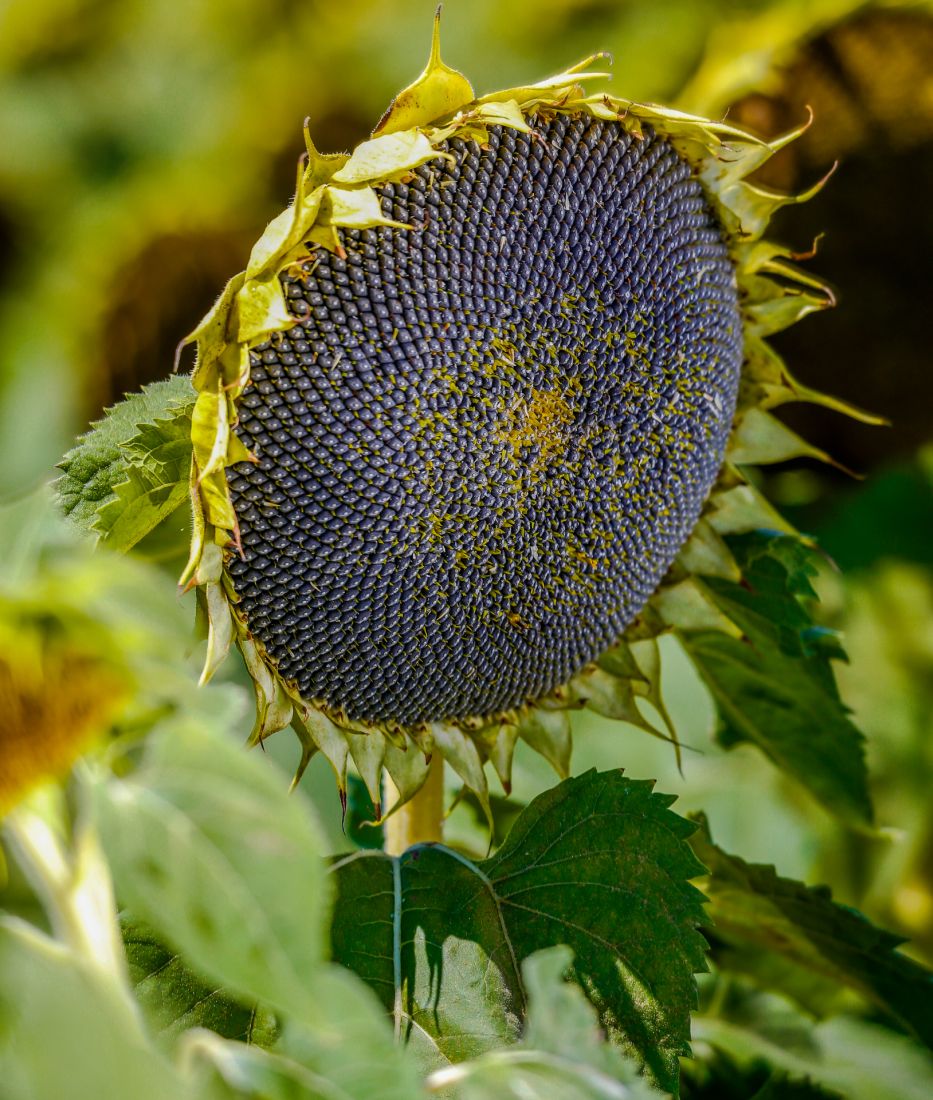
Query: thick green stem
point(71, 877)
point(421, 819)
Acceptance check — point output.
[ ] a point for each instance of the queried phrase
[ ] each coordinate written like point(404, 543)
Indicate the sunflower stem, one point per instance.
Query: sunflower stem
point(421, 819)
point(65, 865)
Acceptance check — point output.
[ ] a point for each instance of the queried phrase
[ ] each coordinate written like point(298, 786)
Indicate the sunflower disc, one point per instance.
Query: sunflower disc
point(486, 437)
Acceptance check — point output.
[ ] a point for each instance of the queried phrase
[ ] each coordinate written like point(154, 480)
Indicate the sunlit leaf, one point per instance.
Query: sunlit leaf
point(563, 1052)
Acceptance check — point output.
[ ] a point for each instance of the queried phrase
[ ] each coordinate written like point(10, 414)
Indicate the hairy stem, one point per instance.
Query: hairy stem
point(421, 819)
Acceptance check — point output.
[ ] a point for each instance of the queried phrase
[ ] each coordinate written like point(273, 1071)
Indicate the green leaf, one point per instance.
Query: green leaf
point(563, 1051)
point(208, 849)
point(599, 862)
point(343, 1049)
point(751, 906)
point(223, 1070)
point(350, 1042)
point(66, 1030)
point(775, 687)
point(346, 1053)
point(175, 999)
point(130, 471)
point(857, 1060)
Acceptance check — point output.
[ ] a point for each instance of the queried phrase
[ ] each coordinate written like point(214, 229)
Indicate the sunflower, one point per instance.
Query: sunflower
point(64, 674)
point(473, 421)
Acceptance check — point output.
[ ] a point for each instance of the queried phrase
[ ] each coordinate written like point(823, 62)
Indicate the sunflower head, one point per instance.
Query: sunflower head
point(489, 432)
point(470, 422)
point(56, 698)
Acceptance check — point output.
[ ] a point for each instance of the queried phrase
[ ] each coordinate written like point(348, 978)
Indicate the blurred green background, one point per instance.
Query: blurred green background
point(144, 145)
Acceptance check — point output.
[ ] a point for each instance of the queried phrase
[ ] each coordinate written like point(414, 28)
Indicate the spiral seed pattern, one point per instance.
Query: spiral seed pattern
point(486, 437)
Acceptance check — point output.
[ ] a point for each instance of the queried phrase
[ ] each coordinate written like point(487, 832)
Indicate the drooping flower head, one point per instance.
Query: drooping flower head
point(470, 422)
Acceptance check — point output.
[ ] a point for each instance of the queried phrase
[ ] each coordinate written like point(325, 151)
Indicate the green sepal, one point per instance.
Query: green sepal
point(620, 661)
point(318, 730)
point(408, 770)
point(688, 606)
point(385, 157)
point(706, 554)
point(612, 697)
point(438, 91)
point(548, 733)
point(759, 438)
point(501, 752)
point(368, 753)
point(460, 751)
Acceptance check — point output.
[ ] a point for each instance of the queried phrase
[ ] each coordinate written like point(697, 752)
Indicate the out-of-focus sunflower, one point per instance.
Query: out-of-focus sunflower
point(472, 421)
point(89, 647)
point(64, 677)
point(57, 694)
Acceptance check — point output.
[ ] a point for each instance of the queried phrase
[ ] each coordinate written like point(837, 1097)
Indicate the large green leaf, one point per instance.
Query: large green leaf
point(563, 1052)
point(65, 1030)
point(174, 999)
point(752, 907)
point(208, 849)
point(775, 686)
point(130, 471)
point(599, 863)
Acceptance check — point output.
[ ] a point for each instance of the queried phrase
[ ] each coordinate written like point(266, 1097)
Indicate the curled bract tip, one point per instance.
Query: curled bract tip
point(439, 91)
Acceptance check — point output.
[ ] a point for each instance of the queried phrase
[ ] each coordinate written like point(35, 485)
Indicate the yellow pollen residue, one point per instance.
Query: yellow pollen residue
point(539, 423)
point(517, 621)
point(579, 555)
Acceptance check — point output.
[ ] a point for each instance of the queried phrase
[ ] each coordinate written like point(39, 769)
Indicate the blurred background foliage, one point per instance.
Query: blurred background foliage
point(145, 144)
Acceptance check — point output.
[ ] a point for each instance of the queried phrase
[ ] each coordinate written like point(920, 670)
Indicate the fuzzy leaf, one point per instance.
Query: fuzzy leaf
point(598, 862)
point(66, 1029)
point(130, 471)
point(175, 999)
point(775, 686)
point(751, 906)
point(346, 1053)
point(208, 849)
